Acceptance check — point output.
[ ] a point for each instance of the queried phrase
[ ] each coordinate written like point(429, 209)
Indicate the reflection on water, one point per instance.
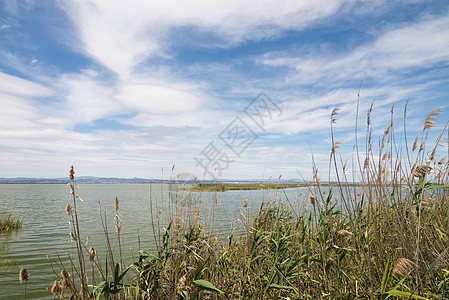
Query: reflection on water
point(145, 210)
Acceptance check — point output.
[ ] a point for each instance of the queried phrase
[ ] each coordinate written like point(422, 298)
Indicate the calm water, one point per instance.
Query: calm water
point(144, 209)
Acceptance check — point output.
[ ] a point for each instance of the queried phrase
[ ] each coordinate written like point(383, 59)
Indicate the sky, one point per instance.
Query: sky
point(232, 89)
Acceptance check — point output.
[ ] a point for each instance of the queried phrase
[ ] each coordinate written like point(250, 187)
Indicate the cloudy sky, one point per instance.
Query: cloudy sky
point(235, 89)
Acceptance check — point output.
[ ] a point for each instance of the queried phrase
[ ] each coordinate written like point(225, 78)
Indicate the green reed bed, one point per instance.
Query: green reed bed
point(385, 239)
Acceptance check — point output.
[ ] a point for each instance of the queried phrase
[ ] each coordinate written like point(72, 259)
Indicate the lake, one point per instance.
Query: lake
point(145, 210)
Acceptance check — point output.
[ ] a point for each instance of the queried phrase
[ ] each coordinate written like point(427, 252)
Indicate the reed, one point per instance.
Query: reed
point(387, 237)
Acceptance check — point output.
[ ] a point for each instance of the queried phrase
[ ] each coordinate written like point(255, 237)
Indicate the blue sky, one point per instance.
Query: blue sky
point(129, 89)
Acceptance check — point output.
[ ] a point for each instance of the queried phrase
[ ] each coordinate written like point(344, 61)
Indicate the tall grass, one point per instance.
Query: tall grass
point(386, 238)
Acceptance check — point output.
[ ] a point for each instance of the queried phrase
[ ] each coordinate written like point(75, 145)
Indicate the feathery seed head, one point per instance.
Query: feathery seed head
point(71, 173)
point(56, 289)
point(65, 278)
point(197, 215)
point(430, 120)
point(366, 163)
point(312, 200)
point(64, 273)
point(387, 131)
point(92, 254)
point(334, 113)
point(181, 283)
point(415, 143)
point(421, 171)
point(403, 267)
point(344, 233)
point(23, 275)
point(335, 146)
point(426, 201)
point(68, 209)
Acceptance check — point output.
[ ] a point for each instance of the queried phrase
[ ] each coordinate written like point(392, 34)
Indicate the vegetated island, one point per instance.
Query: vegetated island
point(9, 224)
point(222, 187)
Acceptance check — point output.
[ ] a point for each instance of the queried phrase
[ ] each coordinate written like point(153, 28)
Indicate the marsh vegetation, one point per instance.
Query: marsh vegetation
point(387, 238)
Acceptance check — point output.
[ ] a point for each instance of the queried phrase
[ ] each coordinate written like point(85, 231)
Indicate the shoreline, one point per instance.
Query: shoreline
point(223, 187)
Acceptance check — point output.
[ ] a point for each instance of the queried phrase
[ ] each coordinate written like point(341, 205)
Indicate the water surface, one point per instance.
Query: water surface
point(145, 210)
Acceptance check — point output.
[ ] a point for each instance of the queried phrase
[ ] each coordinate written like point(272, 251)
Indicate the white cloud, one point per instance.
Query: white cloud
point(16, 113)
point(157, 99)
point(20, 87)
point(86, 99)
point(141, 102)
point(121, 35)
point(418, 45)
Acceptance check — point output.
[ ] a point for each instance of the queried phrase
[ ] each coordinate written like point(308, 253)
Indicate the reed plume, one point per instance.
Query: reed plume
point(23, 275)
point(68, 209)
point(116, 204)
point(312, 200)
point(403, 267)
point(421, 171)
point(344, 233)
point(23, 278)
point(92, 254)
point(430, 120)
point(415, 143)
point(56, 289)
point(65, 278)
point(71, 173)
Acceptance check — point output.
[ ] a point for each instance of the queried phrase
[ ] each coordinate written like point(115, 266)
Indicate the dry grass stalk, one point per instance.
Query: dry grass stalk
point(197, 215)
point(403, 267)
point(116, 204)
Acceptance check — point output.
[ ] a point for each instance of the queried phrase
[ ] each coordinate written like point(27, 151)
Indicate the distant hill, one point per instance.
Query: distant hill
point(91, 179)
point(82, 179)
